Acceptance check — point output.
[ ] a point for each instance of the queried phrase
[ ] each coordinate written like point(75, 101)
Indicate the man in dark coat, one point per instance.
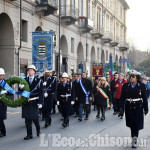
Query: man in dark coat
point(113, 92)
point(3, 107)
point(30, 109)
point(76, 84)
point(65, 97)
point(49, 89)
point(84, 96)
point(136, 105)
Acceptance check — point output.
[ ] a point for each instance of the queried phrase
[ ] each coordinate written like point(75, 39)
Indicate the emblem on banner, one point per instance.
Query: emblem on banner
point(42, 49)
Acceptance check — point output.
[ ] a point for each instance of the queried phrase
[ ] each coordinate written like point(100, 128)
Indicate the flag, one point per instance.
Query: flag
point(111, 66)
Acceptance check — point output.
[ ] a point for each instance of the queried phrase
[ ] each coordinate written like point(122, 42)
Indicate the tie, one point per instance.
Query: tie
point(30, 80)
point(64, 84)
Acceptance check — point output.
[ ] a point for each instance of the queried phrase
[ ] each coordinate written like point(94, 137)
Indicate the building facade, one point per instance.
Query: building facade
point(89, 30)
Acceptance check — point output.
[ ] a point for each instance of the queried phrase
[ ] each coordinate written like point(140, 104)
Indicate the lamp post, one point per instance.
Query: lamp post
point(59, 65)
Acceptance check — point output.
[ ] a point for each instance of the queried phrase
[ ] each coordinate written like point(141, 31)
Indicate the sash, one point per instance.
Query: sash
point(4, 85)
point(50, 84)
point(86, 93)
point(104, 95)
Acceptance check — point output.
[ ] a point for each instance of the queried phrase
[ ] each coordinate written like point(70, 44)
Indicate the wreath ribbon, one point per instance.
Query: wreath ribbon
point(4, 85)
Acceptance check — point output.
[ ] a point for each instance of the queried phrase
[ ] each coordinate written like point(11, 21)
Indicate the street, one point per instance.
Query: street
point(79, 135)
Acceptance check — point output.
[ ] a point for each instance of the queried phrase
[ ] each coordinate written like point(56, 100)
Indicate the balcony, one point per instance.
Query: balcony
point(69, 14)
point(108, 37)
point(123, 46)
point(97, 32)
point(115, 41)
point(46, 7)
point(85, 24)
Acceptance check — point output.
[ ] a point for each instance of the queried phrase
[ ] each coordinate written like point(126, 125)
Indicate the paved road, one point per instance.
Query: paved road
point(79, 135)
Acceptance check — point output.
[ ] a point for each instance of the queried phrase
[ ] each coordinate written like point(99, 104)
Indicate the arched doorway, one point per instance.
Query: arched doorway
point(80, 58)
point(64, 51)
point(103, 57)
point(7, 53)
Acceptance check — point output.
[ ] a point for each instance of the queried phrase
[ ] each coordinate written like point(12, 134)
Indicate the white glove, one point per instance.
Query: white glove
point(57, 102)
point(39, 106)
point(3, 92)
point(44, 84)
point(45, 95)
point(72, 102)
point(21, 86)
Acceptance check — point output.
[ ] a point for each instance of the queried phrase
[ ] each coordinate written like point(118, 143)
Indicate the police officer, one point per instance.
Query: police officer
point(49, 89)
point(134, 97)
point(3, 107)
point(30, 109)
point(65, 97)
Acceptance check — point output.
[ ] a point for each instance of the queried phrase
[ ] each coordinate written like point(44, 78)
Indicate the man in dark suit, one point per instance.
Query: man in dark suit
point(84, 95)
point(3, 107)
point(76, 84)
point(65, 97)
point(30, 109)
point(49, 89)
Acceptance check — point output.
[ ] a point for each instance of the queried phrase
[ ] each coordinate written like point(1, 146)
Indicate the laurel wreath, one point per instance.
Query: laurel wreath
point(22, 100)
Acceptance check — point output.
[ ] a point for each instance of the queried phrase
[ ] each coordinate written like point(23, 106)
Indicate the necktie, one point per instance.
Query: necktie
point(64, 84)
point(30, 80)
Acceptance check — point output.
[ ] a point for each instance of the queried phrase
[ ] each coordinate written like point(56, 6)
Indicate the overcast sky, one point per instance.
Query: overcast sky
point(138, 23)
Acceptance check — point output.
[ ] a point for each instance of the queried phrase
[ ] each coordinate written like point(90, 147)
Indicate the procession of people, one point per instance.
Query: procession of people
point(75, 96)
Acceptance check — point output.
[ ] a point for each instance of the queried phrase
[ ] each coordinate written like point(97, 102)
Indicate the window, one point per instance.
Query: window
point(111, 25)
point(117, 7)
point(81, 7)
point(89, 11)
point(24, 31)
point(107, 25)
point(121, 34)
point(104, 22)
point(107, 3)
point(72, 45)
point(121, 12)
point(111, 3)
point(94, 17)
point(99, 20)
point(117, 28)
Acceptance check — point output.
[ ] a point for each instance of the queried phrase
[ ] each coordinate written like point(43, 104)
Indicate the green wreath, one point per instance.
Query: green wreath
point(22, 100)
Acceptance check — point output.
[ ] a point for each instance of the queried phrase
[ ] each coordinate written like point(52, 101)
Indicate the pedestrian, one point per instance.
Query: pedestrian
point(3, 107)
point(118, 87)
point(95, 84)
point(148, 89)
point(76, 84)
point(30, 109)
point(134, 100)
point(102, 95)
point(49, 84)
point(113, 92)
point(84, 96)
point(55, 95)
point(65, 98)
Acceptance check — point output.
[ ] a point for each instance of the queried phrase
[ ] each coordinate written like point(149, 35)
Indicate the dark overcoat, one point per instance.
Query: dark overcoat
point(3, 110)
point(50, 88)
point(134, 111)
point(101, 101)
point(30, 109)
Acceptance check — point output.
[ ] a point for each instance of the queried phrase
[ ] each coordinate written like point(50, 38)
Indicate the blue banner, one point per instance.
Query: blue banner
point(42, 50)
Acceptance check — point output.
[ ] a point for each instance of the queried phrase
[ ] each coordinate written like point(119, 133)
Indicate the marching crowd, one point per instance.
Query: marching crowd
point(74, 96)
